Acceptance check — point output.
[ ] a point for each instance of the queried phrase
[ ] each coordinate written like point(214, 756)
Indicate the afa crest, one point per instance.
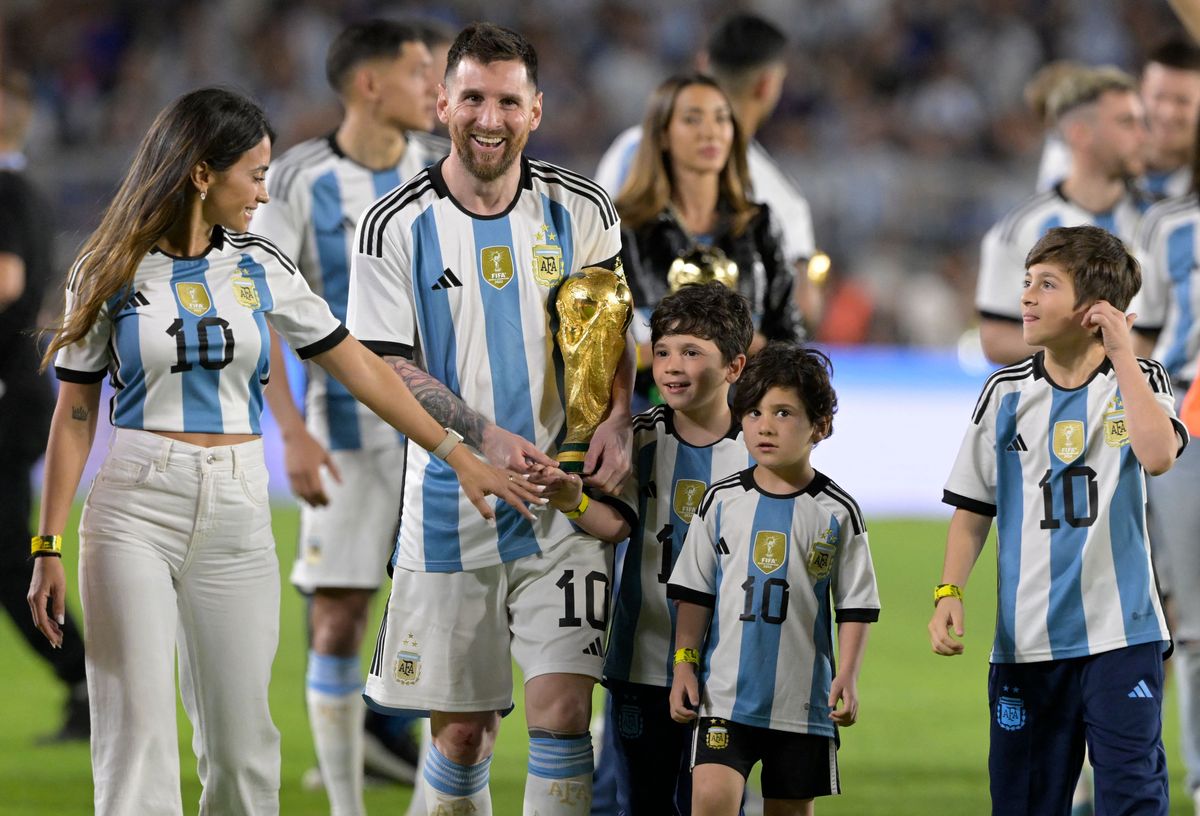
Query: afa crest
point(1069, 440)
point(547, 258)
point(717, 738)
point(1010, 713)
point(245, 292)
point(629, 721)
point(821, 555)
point(496, 265)
point(1116, 434)
point(407, 668)
point(686, 501)
point(770, 550)
point(194, 297)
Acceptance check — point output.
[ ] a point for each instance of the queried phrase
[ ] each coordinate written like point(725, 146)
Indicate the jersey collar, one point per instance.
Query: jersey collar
point(1039, 372)
point(735, 428)
point(439, 186)
point(818, 483)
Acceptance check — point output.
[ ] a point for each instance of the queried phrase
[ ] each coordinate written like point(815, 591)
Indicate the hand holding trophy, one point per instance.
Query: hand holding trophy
point(594, 309)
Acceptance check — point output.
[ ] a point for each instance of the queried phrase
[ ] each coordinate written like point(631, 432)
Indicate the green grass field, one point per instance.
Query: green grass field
point(920, 746)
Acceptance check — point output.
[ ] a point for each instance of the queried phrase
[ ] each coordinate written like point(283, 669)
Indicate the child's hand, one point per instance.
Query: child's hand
point(563, 490)
point(846, 691)
point(1114, 326)
point(948, 613)
point(685, 693)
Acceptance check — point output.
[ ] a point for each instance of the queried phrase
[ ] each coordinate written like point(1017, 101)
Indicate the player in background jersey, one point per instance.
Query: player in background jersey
point(172, 299)
point(458, 270)
point(1056, 451)
point(775, 556)
point(1170, 92)
point(381, 71)
point(746, 54)
point(699, 336)
point(1101, 120)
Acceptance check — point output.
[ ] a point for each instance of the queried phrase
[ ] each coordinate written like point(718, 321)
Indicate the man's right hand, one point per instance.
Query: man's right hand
point(303, 457)
point(505, 449)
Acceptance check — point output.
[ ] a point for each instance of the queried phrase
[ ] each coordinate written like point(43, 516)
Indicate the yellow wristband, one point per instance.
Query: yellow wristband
point(946, 591)
point(45, 544)
point(584, 501)
point(687, 656)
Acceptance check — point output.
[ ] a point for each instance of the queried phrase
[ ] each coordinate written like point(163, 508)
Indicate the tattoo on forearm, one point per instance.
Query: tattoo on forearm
point(440, 401)
point(79, 412)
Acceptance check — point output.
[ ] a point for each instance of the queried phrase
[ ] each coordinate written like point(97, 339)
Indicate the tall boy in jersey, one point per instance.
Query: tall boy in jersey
point(1101, 119)
point(700, 336)
point(381, 71)
point(1056, 451)
point(458, 270)
point(774, 553)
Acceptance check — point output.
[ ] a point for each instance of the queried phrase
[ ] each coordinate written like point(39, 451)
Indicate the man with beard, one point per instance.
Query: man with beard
point(453, 282)
point(1100, 118)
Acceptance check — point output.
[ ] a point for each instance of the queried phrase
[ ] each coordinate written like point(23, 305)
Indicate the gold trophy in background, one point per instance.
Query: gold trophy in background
point(701, 265)
point(594, 309)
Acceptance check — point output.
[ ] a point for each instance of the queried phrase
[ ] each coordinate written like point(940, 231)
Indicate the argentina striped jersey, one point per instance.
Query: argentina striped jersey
point(779, 572)
point(1002, 255)
point(188, 348)
point(1055, 467)
point(1168, 248)
point(470, 299)
point(317, 197)
point(670, 477)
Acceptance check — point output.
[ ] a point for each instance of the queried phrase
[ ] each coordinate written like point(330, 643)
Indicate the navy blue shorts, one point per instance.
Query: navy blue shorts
point(654, 752)
point(1042, 715)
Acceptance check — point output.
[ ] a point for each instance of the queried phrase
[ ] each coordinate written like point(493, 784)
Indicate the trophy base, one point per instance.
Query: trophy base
point(571, 456)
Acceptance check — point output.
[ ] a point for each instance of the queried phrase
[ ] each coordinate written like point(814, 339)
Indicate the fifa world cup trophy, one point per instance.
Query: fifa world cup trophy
point(594, 309)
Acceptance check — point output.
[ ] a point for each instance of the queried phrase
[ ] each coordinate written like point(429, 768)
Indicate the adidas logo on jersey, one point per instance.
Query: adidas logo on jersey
point(1017, 445)
point(448, 280)
point(1141, 690)
point(596, 647)
point(135, 300)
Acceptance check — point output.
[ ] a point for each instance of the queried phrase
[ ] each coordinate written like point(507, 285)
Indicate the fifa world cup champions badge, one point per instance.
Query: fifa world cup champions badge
point(594, 309)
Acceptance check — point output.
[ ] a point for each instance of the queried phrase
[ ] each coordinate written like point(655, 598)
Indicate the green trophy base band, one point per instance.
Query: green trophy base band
point(571, 456)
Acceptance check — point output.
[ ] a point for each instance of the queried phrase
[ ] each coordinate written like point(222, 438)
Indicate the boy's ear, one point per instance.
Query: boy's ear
point(821, 429)
point(733, 371)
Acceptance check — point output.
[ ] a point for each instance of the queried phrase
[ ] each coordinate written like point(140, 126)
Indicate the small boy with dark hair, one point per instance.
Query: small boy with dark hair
point(699, 337)
point(1056, 451)
point(774, 553)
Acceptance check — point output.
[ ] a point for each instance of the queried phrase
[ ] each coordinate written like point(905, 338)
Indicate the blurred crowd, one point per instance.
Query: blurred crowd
point(902, 120)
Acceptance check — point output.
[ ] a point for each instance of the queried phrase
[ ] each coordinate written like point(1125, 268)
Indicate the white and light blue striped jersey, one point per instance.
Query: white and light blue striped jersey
point(187, 346)
point(769, 184)
point(779, 571)
point(1055, 467)
point(317, 196)
point(471, 300)
point(1168, 247)
point(669, 479)
point(1156, 185)
point(1002, 256)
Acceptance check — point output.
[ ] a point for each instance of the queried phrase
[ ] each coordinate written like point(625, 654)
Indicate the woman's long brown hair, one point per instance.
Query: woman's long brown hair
point(647, 190)
point(213, 126)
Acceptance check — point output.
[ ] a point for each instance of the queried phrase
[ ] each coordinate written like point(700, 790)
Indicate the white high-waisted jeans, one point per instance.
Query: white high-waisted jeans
point(176, 551)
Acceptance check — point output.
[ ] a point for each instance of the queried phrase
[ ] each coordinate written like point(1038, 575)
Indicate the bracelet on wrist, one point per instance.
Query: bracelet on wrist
point(946, 591)
point(45, 545)
point(687, 656)
point(451, 441)
point(584, 501)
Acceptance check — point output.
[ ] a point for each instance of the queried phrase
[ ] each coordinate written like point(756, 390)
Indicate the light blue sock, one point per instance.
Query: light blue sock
point(560, 774)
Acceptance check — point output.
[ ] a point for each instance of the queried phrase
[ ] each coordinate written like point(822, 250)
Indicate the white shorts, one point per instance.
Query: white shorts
point(348, 542)
point(448, 639)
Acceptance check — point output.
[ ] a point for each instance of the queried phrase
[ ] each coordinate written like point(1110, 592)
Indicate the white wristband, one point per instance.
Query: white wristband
point(447, 445)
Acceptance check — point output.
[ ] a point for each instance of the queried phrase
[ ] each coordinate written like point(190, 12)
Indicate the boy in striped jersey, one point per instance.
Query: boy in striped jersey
point(1056, 451)
point(699, 337)
point(382, 73)
point(773, 554)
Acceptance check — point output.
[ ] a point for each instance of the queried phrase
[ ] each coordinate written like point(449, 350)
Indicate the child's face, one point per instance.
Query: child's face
point(690, 371)
point(778, 432)
point(1048, 310)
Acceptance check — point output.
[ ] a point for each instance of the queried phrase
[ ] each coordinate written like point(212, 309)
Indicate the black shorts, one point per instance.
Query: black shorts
point(795, 766)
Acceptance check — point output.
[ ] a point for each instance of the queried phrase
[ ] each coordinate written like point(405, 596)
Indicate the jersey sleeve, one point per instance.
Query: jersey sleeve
point(616, 161)
point(1164, 395)
point(1001, 271)
point(600, 243)
point(972, 482)
point(855, 591)
point(1151, 302)
point(86, 360)
point(380, 310)
point(625, 502)
point(694, 577)
point(300, 315)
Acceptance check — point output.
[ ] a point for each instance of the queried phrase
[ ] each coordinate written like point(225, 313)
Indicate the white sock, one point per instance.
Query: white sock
point(416, 806)
point(335, 715)
point(559, 782)
point(456, 790)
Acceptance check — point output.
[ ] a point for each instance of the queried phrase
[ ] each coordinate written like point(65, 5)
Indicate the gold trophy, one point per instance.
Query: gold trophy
point(701, 265)
point(594, 309)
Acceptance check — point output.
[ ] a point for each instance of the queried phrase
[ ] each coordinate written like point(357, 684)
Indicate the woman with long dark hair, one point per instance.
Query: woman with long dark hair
point(172, 298)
